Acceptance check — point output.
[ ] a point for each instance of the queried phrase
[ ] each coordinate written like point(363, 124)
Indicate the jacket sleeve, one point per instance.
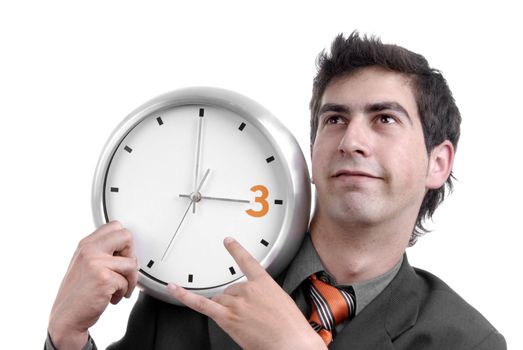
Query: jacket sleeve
point(140, 329)
point(90, 345)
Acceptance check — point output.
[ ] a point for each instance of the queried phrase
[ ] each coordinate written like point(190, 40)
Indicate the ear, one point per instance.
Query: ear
point(441, 160)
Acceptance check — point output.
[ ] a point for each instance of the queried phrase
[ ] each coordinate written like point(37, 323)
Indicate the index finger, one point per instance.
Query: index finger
point(250, 267)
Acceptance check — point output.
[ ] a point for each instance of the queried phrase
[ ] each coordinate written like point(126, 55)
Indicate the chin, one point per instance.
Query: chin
point(356, 215)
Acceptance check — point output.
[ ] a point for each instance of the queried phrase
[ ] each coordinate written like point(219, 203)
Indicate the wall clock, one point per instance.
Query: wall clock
point(193, 166)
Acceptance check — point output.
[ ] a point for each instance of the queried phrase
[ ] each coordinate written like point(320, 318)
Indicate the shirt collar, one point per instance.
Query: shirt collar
point(305, 263)
point(366, 291)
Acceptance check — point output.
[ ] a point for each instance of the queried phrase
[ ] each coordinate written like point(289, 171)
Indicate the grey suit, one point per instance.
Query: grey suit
point(415, 311)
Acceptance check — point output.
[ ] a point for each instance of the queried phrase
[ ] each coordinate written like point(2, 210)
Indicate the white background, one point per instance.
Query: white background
point(71, 71)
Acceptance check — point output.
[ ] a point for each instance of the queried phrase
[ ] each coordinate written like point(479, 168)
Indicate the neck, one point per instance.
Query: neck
point(357, 253)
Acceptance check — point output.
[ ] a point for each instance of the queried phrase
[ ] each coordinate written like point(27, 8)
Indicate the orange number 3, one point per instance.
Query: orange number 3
point(260, 199)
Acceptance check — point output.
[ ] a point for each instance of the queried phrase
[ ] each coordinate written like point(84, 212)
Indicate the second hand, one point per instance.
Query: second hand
point(194, 199)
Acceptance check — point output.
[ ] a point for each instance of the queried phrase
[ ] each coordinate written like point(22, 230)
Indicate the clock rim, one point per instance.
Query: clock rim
point(297, 210)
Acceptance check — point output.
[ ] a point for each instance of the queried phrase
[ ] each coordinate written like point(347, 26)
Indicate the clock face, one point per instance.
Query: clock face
point(191, 167)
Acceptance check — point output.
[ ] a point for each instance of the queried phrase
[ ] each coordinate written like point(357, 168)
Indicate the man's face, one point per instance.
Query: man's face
point(369, 161)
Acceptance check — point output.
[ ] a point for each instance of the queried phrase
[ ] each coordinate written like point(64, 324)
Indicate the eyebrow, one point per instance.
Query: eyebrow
point(334, 107)
point(368, 108)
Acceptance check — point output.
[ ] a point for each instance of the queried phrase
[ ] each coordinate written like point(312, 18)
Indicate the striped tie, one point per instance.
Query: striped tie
point(330, 307)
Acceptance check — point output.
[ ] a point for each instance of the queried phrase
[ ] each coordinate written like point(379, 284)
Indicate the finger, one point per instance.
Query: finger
point(120, 286)
point(101, 232)
point(105, 228)
point(224, 300)
point(132, 280)
point(127, 268)
point(197, 302)
point(113, 225)
point(110, 238)
point(128, 249)
point(117, 297)
point(250, 267)
point(235, 289)
point(118, 242)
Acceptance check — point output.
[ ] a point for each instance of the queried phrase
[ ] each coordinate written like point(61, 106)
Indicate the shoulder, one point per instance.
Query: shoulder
point(444, 314)
point(439, 301)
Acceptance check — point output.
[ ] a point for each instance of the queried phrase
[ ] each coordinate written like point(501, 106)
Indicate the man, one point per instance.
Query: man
point(384, 129)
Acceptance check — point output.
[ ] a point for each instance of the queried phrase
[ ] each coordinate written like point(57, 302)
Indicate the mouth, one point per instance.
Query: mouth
point(354, 173)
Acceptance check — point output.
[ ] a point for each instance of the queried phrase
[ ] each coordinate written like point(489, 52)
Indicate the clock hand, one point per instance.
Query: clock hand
point(195, 197)
point(197, 166)
point(218, 198)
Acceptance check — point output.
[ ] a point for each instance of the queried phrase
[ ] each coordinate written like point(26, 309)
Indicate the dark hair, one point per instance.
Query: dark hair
point(437, 109)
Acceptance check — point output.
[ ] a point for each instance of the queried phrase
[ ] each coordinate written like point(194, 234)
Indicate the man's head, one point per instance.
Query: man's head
point(439, 116)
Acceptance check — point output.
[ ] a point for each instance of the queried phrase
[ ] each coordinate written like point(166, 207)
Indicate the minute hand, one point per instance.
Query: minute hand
point(198, 151)
point(219, 199)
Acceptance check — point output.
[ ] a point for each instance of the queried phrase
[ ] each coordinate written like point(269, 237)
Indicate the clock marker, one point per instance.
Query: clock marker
point(242, 126)
point(150, 263)
point(270, 159)
point(202, 112)
point(128, 149)
point(278, 201)
point(189, 278)
point(231, 269)
point(159, 120)
point(114, 189)
point(264, 242)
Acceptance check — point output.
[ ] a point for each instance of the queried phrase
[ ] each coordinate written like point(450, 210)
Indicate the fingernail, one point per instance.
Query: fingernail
point(228, 240)
point(171, 287)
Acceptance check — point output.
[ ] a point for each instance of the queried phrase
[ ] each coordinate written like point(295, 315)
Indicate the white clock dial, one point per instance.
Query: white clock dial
point(151, 177)
point(191, 167)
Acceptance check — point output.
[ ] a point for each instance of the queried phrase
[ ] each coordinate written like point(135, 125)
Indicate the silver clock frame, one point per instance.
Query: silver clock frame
point(297, 210)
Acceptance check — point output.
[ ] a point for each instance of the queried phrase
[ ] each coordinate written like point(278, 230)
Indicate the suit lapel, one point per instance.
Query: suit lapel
point(394, 311)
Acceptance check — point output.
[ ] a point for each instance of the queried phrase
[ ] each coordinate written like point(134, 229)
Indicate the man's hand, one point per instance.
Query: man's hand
point(103, 269)
point(257, 314)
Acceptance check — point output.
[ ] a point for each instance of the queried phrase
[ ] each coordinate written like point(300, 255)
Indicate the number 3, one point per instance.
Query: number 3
point(260, 199)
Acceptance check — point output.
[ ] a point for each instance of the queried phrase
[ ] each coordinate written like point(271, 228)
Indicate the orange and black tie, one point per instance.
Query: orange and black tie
point(330, 307)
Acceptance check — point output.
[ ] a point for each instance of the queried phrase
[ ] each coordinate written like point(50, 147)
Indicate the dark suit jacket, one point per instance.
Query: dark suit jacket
point(415, 311)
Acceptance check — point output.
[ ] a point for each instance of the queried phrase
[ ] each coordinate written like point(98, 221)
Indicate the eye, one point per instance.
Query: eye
point(386, 119)
point(334, 119)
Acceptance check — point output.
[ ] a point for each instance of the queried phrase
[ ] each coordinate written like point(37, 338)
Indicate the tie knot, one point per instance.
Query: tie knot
point(322, 276)
point(330, 305)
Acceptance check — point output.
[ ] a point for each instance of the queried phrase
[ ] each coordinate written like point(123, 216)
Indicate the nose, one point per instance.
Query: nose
point(356, 139)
